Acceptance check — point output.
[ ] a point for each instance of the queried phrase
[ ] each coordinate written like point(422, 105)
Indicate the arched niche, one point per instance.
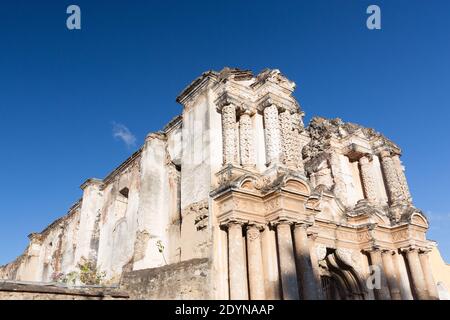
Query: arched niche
point(297, 185)
point(419, 219)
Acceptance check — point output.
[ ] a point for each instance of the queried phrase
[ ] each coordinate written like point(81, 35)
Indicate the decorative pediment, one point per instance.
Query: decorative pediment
point(419, 219)
point(297, 186)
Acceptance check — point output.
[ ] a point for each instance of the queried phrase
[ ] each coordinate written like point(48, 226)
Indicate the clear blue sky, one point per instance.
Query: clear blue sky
point(63, 93)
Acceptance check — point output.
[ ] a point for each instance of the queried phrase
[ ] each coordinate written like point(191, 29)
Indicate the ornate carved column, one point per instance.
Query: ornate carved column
point(391, 275)
point(382, 293)
point(287, 141)
point(255, 263)
point(315, 264)
point(419, 284)
point(237, 263)
point(272, 134)
point(405, 287)
point(229, 134)
point(402, 178)
point(393, 184)
point(368, 180)
point(297, 146)
point(304, 266)
point(288, 270)
point(246, 143)
point(433, 293)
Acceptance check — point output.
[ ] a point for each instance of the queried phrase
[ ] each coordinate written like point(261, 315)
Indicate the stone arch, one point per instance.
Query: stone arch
point(419, 219)
point(345, 281)
point(247, 182)
point(297, 185)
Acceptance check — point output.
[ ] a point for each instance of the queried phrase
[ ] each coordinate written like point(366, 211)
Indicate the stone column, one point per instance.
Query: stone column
point(383, 292)
point(390, 174)
point(272, 134)
point(237, 263)
point(255, 264)
point(246, 143)
point(391, 275)
point(315, 264)
point(402, 178)
point(433, 293)
point(287, 262)
point(368, 180)
point(405, 287)
point(287, 134)
point(271, 267)
point(304, 266)
point(418, 279)
point(297, 121)
point(229, 134)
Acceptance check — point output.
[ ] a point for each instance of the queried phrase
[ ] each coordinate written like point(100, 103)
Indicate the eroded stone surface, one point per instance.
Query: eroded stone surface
point(229, 182)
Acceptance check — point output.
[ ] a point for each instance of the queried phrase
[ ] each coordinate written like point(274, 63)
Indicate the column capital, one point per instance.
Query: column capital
point(365, 159)
point(312, 235)
point(302, 224)
point(282, 221)
point(246, 111)
point(255, 225)
point(410, 248)
point(232, 222)
point(373, 249)
point(268, 100)
point(385, 153)
point(387, 252)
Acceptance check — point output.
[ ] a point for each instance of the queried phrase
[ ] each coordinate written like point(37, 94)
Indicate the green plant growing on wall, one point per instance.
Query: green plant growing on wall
point(160, 247)
point(89, 275)
point(86, 274)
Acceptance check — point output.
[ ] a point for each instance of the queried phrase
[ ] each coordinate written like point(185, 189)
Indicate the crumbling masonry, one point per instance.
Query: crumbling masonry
point(272, 209)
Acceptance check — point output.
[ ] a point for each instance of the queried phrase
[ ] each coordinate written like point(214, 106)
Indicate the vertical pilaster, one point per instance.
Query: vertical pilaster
point(368, 180)
point(391, 275)
point(433, 293)
point(419, 284)
point(237, 263)
point(229, 134)
point(382, 293)
point(272, 134)
point(288, 270)
point(304, 266)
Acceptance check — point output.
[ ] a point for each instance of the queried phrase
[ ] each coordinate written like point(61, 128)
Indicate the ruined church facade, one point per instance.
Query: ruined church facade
point(279, 210)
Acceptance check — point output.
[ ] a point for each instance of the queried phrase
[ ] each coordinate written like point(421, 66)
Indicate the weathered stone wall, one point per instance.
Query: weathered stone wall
point(29, 291)
point(181, 281)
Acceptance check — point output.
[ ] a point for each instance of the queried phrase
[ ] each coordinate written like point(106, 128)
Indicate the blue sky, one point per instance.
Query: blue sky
point(75, 104)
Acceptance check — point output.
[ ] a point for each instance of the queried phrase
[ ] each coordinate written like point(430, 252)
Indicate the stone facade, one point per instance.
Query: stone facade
point(239, 193)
